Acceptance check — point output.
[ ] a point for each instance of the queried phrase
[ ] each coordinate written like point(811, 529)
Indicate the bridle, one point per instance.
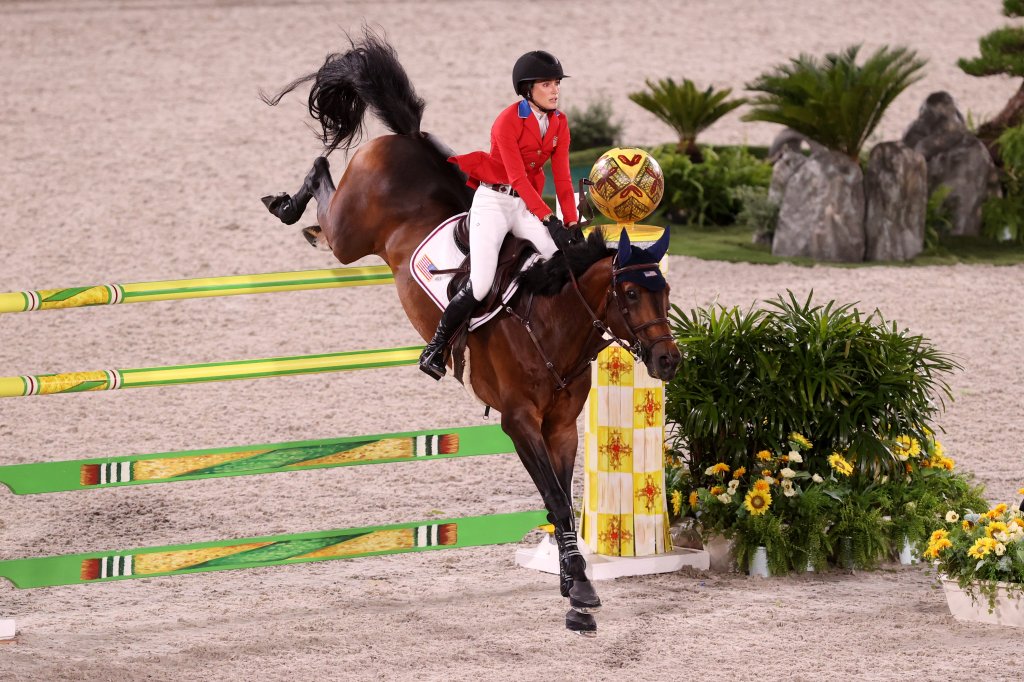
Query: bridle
point(636, 347)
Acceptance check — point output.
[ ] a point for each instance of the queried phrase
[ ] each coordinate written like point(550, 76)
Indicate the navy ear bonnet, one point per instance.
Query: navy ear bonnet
point(649, 278)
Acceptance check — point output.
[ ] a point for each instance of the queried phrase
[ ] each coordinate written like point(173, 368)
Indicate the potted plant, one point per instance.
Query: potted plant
point(982, 555)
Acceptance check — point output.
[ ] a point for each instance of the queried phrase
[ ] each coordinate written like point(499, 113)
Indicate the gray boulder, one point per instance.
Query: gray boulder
point(821, 212)
point(896, 198)
point(955, 158)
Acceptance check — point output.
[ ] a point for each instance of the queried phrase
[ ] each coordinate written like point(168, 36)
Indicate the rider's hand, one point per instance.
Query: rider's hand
point(562, 236)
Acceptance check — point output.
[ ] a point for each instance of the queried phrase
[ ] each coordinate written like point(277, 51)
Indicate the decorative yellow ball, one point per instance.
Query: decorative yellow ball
point(627, 184)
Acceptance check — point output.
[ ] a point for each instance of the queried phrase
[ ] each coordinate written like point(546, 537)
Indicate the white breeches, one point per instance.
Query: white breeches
point(492, 216)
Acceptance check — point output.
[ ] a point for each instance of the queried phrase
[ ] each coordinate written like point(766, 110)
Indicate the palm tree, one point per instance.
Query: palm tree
point(835, 101)
point(686, 109)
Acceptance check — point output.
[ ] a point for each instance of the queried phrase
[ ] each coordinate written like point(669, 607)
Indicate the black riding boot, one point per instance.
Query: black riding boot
point(457, 312)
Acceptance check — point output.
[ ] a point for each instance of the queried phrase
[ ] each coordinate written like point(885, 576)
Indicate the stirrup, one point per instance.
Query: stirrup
point(430, 366)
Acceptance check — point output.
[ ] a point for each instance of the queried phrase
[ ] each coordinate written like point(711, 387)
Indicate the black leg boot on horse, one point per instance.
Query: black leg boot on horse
point(454, 316)
point(574, 584)
point(289, 208)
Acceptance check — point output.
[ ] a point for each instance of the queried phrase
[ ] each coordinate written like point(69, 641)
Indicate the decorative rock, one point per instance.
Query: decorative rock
point(821, 212)
point(791, 140)
point(896, 197)
point(955, 158)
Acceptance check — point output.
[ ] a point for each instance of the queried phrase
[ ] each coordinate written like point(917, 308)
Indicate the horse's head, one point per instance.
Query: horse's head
point(638, 314)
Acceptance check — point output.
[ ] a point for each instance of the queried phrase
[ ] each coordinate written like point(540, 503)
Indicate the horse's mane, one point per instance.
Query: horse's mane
point(547, 278)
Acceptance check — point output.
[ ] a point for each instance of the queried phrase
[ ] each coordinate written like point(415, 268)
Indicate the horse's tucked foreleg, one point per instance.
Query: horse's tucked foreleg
point(318, 184)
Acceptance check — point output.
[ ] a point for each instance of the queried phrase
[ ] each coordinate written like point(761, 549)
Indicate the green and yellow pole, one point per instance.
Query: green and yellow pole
point(112, 379)
point(203, 287)
point(274, 550)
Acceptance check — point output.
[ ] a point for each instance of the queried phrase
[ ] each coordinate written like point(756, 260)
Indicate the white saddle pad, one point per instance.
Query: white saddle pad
point(438, 252)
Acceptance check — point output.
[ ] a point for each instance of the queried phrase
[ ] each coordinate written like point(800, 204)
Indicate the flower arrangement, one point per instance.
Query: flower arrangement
point(982, 552)
point(808, 508)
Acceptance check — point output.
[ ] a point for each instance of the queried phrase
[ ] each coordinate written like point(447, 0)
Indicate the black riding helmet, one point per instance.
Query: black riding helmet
point(535, 66)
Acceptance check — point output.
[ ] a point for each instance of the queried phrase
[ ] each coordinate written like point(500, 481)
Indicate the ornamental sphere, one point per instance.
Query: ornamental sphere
point(627, 184)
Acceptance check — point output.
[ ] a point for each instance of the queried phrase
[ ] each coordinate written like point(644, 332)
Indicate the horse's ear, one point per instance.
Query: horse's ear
point(659, 248)
point(625, 250)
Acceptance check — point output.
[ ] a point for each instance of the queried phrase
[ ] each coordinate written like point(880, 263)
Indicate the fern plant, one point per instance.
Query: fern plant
point(835, 101)
point(686, 109)
point(859, 528)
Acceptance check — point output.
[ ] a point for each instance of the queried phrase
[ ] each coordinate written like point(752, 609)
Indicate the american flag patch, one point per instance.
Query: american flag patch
point(426, 267)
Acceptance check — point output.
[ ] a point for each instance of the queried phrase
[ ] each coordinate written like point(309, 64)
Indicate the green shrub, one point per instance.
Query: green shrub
point(938, 219)
point(1002, 218)
point(705, 193)
point(804, 428)
point(834, 101)
point(757, 213)
point(594, 127)
point(685, 109)
point(853, 382)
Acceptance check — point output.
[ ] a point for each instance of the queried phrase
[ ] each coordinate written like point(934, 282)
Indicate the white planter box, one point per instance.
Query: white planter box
point(1008, 610)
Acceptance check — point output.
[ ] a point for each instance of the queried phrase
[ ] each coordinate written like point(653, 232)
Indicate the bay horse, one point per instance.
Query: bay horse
point(396, 189)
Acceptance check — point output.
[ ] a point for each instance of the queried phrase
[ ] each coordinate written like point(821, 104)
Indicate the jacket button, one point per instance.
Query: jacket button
point(533, 164)
point(538, 151)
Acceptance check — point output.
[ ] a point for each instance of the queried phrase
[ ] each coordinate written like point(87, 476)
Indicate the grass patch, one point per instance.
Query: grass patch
point(733, 244)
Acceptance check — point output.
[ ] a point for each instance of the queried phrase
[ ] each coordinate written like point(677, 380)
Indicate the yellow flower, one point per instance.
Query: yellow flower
point(907, 446)
point(717, 490)
point(981, 547)
point(937, 450)
point(767, 473)
point(996, 511)
point(762, 486)
point(935, 547)
point(839, 464)
point(764, 455)
point(995, 527)
point(757, 502)
point(720, 468)
point(946, 463)
point(739, 472)
point(677, 502)
point(1021, 491)
point(693, 499)
point(940, 534)
point(966, 525)
point(799, 439)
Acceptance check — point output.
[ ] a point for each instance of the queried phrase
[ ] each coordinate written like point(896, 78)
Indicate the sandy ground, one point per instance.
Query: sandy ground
point(134, 148)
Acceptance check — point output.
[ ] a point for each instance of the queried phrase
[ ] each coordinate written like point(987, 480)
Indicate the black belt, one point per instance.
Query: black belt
point(502, 189)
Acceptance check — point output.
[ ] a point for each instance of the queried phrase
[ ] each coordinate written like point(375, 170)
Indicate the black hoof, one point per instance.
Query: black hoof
point(581, 623)
point(583, 597)
point(283, 207)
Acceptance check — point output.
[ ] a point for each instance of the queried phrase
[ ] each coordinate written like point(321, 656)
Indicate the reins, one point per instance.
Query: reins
point(598, 327)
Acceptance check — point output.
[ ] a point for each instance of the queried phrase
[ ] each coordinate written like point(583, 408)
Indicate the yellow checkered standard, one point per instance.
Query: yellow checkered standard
point(625, 512)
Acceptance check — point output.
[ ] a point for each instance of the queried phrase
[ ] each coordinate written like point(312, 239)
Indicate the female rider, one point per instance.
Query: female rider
point(508, 181)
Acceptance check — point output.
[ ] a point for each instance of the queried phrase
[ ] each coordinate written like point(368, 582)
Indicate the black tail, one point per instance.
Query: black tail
point(367, 75)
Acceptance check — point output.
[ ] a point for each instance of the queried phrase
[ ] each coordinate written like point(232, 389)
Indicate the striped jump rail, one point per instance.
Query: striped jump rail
point(113, 379)
point(202, 287)
point(273, 550)
point(191, 465)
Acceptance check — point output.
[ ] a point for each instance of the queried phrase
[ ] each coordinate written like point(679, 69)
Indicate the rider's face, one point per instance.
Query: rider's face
point(545, 93)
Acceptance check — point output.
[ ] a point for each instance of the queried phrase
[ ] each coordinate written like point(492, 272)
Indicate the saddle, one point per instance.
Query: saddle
point(512, 255)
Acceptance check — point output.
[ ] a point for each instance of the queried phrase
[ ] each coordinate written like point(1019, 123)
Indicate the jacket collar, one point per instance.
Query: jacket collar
point(525, 111)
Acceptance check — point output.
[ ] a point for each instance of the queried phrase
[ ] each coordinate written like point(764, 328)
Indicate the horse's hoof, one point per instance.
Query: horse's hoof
point(583, 597)
point(581, 623)
point(283, 207)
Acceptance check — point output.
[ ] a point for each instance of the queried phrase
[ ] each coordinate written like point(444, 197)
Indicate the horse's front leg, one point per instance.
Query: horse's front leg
point(562, 440)
point(524, 430)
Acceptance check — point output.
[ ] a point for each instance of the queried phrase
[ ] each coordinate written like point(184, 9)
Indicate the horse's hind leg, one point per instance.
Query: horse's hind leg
point(318, 185)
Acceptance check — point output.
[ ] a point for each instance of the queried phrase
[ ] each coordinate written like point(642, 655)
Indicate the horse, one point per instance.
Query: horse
point(533, 370)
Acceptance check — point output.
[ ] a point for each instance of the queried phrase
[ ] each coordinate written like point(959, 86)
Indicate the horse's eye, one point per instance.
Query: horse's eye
point(632, 294)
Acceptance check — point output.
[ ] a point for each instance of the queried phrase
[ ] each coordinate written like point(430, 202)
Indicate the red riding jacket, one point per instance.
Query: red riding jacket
point(518, 155)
